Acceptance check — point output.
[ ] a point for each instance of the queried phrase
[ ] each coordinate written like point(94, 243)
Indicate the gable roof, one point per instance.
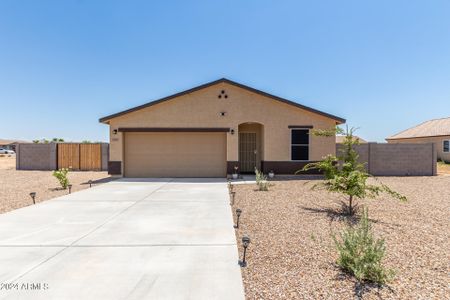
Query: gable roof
point(340, 139)
point(223, 80)
point(436, 127)
point(9, 142)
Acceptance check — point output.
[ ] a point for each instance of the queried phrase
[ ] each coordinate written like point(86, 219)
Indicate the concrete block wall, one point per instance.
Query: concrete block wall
point(398, 159)
point(36, 157)
point(105, 156)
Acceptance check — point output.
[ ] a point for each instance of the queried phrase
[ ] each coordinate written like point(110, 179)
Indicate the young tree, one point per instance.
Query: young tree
point(344, 174)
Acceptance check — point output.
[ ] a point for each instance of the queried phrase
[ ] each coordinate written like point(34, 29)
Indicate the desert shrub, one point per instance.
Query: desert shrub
point(360, 254)
point(2, 155)
point(261, 180)
point(61, 175)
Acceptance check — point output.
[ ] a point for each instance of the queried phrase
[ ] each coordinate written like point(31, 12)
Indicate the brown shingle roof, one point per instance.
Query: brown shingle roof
point(437, 127)
point(8, 142)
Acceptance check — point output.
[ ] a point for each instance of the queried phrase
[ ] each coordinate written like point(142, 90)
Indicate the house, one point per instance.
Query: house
point(340, 139)
point(434, 131)
point(11, 144)
point(209, 130)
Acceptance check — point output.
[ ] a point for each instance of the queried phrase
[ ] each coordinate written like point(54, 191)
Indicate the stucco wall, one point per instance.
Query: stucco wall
point(437, 141)
point(202, 109)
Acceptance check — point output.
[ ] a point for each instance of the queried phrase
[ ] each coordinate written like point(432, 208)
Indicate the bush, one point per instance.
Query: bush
point(61, 175)
point(360, 254)
point(261, 180)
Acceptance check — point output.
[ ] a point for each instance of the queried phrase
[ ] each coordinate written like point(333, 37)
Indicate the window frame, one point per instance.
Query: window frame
point(443, 146)
point(291, 144)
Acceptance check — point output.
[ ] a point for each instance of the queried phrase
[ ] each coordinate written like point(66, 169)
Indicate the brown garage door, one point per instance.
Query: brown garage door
point(175, 154)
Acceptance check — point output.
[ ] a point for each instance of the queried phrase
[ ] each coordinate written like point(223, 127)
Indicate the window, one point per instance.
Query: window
point(446, 146)
point(300, 144)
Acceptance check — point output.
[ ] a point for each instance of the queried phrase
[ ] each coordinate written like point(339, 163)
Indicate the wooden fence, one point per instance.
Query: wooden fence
point(83, 157)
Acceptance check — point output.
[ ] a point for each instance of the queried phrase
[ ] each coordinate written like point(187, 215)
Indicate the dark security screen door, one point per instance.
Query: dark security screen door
point(247, 151)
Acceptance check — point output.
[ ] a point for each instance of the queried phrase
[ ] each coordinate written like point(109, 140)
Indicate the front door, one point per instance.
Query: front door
point(247, 152)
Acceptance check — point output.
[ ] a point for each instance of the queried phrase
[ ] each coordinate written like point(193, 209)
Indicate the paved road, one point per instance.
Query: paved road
point(126, 239)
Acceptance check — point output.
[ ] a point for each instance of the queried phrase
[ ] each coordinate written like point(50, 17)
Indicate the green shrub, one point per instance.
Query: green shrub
point(261, 180)
point(61, 175)
point(360, 254)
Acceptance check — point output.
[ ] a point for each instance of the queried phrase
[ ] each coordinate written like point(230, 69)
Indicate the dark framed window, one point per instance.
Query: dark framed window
point(299, 144)
point(446, 146)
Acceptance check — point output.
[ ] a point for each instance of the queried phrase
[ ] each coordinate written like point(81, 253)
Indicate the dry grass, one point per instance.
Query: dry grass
point(15, 186)
point(443, 168)
point(292, 256)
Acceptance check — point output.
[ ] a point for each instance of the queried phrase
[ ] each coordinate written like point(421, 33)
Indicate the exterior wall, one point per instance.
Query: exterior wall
point(105, 156)
point(45, 156)
point(437, 141)
point(36, 157)
point(202, 109)
point(398, 159)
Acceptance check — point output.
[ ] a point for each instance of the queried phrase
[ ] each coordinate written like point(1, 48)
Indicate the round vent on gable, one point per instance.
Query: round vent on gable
point(222, 94)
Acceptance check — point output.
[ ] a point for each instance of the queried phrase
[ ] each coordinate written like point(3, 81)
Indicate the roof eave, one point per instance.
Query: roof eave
point(338, 120)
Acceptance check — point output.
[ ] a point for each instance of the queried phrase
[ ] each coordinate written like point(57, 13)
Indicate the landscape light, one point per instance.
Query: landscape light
point(90, 183)
point(233, 194)
point(33, 196)
point(245, 243)
point(70, 188)
point(238, 214)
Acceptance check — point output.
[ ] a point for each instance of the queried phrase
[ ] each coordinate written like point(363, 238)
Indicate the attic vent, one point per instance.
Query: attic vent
point(222, 94)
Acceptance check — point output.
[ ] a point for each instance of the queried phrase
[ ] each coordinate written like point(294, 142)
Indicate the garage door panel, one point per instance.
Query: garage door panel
point(175, 154)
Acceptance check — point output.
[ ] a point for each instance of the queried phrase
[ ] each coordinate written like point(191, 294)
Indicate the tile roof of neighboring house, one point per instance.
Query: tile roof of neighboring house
point(338, 120)
point(8, 142)
point(437, 127)
point(340, 139)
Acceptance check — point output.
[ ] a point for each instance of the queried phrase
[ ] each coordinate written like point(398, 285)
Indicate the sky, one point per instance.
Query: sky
point(383, 65)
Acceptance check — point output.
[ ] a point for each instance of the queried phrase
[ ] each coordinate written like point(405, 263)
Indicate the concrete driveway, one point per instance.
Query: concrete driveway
point(127, 239)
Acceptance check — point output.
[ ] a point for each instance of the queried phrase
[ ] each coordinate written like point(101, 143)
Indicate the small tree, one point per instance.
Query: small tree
point(344, 174)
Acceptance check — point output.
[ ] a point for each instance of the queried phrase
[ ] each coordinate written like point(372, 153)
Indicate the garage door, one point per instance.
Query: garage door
point(175, 154)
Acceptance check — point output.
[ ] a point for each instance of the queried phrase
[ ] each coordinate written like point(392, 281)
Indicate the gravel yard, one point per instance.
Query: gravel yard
point(15, 186)
point(292, 256)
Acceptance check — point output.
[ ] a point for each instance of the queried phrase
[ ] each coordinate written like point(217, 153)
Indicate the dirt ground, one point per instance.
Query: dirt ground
point(15, 186)
point(292, 255)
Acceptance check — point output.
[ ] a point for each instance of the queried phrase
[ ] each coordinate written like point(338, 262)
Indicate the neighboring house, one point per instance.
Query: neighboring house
point(433, 131)
point(208, 130)
point(11, 144)
point(340, 139)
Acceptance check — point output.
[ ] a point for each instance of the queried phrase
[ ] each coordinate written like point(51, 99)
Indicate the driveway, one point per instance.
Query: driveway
point(126, 239)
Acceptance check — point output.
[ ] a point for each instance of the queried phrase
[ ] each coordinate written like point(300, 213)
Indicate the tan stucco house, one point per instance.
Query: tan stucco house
point(208, 130)
point(434, 131)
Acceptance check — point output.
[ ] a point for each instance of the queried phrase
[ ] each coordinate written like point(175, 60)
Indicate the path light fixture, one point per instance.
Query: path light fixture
point(233, 194)
point(33, 196)
point(238, 214)
point(70, 188)
point(90, 183)
point(230, 186)
point(245, 243)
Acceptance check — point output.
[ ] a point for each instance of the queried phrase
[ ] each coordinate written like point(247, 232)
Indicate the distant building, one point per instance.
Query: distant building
point(340, 139)
point(11, 144)
point(434, 131)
